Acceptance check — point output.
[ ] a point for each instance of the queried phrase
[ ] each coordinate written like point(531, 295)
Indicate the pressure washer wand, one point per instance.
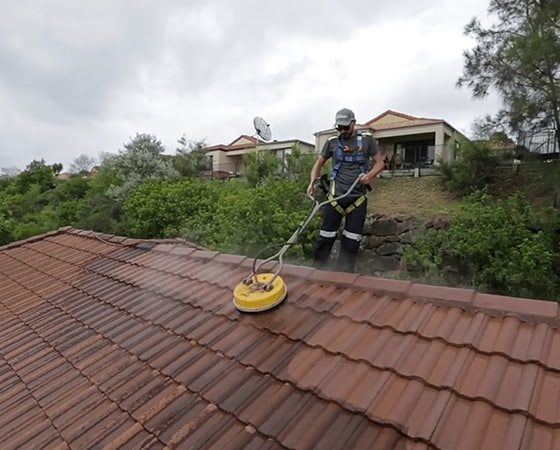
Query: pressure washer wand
point(295, 236)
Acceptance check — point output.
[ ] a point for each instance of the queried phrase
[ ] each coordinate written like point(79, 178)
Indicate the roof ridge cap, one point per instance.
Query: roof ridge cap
point(529, 309)
point(35, 238)
point(526, 309)
point(108, 238)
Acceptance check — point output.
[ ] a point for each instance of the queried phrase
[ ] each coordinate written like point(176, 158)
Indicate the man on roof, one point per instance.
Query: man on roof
point(354, 153)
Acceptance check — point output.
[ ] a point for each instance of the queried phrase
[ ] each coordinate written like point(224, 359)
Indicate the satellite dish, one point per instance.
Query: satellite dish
point(262, 128)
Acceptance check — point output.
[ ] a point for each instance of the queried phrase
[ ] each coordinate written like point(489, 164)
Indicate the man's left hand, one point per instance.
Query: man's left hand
point(365, 179)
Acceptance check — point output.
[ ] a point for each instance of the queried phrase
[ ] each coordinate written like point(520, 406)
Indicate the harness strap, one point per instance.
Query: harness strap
point(359, 200)
point(355, 156)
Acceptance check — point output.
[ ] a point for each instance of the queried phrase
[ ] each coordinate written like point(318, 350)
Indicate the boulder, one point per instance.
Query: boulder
point(384, 227)
point(390, 248)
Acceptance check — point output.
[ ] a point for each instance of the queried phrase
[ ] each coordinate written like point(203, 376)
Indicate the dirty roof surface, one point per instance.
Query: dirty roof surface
point(126, 344)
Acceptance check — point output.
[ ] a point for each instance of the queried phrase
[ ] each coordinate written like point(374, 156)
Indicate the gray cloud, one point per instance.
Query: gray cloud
point(66, 60)
point(84, 78)
point(432, 93)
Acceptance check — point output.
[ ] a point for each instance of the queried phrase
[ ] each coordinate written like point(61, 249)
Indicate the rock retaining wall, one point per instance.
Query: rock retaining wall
point(384, 240)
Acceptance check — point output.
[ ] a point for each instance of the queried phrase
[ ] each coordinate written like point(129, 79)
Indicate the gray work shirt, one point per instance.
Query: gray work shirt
point(348, 171)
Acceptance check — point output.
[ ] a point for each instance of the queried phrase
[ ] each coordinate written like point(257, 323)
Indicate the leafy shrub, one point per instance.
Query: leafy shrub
point(33, 224)
point(471, 171)
point(260, 164)
point(97, 210)
point(37, 173)
point(191, 160)
point(299, 164)
point(7, 226)
point(158, 208)
point(249, 220)
point(505, 248)
point(228, 217)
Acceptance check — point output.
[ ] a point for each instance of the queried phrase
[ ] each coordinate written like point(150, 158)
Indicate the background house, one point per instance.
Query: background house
point(407, 141)
point(228, 160)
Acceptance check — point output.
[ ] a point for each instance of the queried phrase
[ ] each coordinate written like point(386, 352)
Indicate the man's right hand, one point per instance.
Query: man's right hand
point(311, 188)
point(314, 175)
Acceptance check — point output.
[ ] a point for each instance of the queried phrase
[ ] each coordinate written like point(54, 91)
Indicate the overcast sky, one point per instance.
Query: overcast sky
point(85, 77)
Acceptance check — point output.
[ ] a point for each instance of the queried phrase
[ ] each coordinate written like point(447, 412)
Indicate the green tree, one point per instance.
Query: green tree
point(75, 188)
point(82, 164)
point(260, 164)
point(6, 181)
point(299, 163)
point(500, 137)
point(519, 57)
point(161, 208)
point(97, 210)
point(142, 158)
point(190, 159)
point(472, 170)
point(38, 173)
point(7, 223)
point(35, 223)
point(231, 217)
point(65, 199)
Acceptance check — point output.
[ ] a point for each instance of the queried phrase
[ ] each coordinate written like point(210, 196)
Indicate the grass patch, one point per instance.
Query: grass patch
point(536, 182)
point(420, 197)
point(425, 198)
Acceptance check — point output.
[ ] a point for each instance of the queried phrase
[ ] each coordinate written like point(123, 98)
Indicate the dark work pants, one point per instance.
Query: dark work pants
point(351, 236)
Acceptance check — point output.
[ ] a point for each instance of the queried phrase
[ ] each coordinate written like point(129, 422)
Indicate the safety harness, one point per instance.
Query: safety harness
point(344, 154)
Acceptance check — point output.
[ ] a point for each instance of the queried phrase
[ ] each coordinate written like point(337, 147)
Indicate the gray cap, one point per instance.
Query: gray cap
point(344, 117)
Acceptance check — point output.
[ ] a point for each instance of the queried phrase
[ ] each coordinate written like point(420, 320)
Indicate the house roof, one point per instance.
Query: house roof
point(391, 119)
point(244, 141)
point(118, 342)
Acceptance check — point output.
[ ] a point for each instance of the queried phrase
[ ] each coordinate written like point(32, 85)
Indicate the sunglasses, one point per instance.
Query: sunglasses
point(343, 127)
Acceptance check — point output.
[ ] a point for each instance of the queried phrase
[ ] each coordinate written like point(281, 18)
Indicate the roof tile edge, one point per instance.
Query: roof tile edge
point(524, 307)
point(468, 299)
point(38, 237)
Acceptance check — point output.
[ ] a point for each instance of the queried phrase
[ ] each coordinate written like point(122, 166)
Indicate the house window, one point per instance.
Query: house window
point(282, 155)
point(416, 153)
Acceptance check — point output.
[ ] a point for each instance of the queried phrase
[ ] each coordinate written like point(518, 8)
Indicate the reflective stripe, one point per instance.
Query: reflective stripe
point(327, 234)
point(353, 236)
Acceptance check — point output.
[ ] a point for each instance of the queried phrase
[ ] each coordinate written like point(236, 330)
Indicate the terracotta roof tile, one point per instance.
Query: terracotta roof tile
point(540, 436)
point(524, 306)
point(357, 305)
point(382, 285)
point(108, 341)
